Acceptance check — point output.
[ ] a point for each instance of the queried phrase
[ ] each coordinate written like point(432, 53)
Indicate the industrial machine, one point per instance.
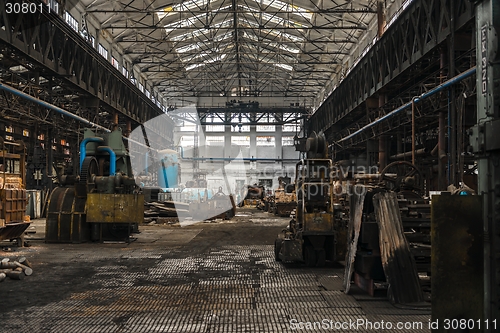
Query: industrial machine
point(312, 234)
point(219, 206)
point(254, 194)
point(284, 198)
point(12, 191)
point(103, 202)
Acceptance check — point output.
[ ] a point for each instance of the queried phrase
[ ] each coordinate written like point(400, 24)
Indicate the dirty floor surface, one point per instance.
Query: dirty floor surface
point(207, 277)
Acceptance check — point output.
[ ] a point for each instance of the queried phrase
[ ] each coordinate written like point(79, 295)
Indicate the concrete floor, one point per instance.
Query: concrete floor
point(208, 277)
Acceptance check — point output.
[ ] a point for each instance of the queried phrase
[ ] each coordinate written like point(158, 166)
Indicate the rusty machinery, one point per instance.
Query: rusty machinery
point(13, 198)
point(313, 233)
point(219, 206)
point(284, 198)
point(103, 202)
point(254, 194)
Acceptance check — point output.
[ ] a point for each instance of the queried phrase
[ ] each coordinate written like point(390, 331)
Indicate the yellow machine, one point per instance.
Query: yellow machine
point(103, 203)
point(313, 233)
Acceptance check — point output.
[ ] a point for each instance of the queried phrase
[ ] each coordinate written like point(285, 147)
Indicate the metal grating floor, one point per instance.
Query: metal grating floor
point(224, 288)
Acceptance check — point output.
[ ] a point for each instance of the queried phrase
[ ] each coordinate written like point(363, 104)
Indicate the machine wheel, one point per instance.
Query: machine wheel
point(277, 248)
point(310, 256)
point(89, 167)
point(402, 174)
point(321, 258)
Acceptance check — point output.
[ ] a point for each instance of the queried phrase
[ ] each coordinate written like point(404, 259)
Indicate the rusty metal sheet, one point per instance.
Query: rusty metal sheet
point(356, 202)
point(457, 258)
point(397, 260)
point(115, 208)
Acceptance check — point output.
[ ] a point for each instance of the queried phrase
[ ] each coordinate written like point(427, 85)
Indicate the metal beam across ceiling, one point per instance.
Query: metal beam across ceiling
point(240, 48)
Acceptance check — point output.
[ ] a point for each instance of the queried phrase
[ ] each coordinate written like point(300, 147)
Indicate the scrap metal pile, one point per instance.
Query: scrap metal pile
point(389, 223)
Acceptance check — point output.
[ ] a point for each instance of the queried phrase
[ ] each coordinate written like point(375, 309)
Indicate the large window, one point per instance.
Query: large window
point(265, 128)
point(214, 140)
point(214, 128)
point(287, 141)
point(187, 141)
point(188, 127)
point(291, 128)
point(265, 141)
point(241, 129)
point(243, 141)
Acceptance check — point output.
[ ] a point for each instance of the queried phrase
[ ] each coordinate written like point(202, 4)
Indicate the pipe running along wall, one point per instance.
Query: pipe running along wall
point(417, 99)
point(61, 111)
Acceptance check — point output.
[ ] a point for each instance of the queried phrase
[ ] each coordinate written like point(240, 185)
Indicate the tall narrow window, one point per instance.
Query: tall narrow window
point(72, 22)
point(102, 51)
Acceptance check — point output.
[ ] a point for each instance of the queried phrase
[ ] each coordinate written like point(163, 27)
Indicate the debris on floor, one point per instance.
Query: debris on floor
point(15, 269)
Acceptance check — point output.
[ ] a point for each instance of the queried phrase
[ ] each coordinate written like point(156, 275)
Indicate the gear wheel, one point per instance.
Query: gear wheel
point(89, 167)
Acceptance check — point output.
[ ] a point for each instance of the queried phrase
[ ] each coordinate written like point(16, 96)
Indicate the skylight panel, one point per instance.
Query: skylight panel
point(280, 5)
point(206, 61)
point(199, 45)
point(276, 19)
point(187, 5)
point(285, 66)
point(274, 44)
point(188, 22)
point(276, 33)
point(202, 32)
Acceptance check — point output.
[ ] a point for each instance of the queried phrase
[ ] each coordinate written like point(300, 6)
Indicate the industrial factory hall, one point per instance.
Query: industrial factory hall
point(249, 166)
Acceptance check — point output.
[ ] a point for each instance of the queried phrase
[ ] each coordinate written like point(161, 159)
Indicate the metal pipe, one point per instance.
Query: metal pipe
point(112, 158)
point(83, 148)
point(420, 98)
point(49, 106)
point(417, 152)
point(64, 112)
point(381, 18)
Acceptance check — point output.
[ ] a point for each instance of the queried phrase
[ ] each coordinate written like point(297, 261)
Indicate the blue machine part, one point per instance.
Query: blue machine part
point(168, 172)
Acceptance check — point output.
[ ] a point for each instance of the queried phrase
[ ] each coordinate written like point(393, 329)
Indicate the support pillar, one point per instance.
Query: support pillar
point(484, 142)
point(381, 18)
point(253, 141)
point(227, 141)
point(278, 139)
point(452, 113)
